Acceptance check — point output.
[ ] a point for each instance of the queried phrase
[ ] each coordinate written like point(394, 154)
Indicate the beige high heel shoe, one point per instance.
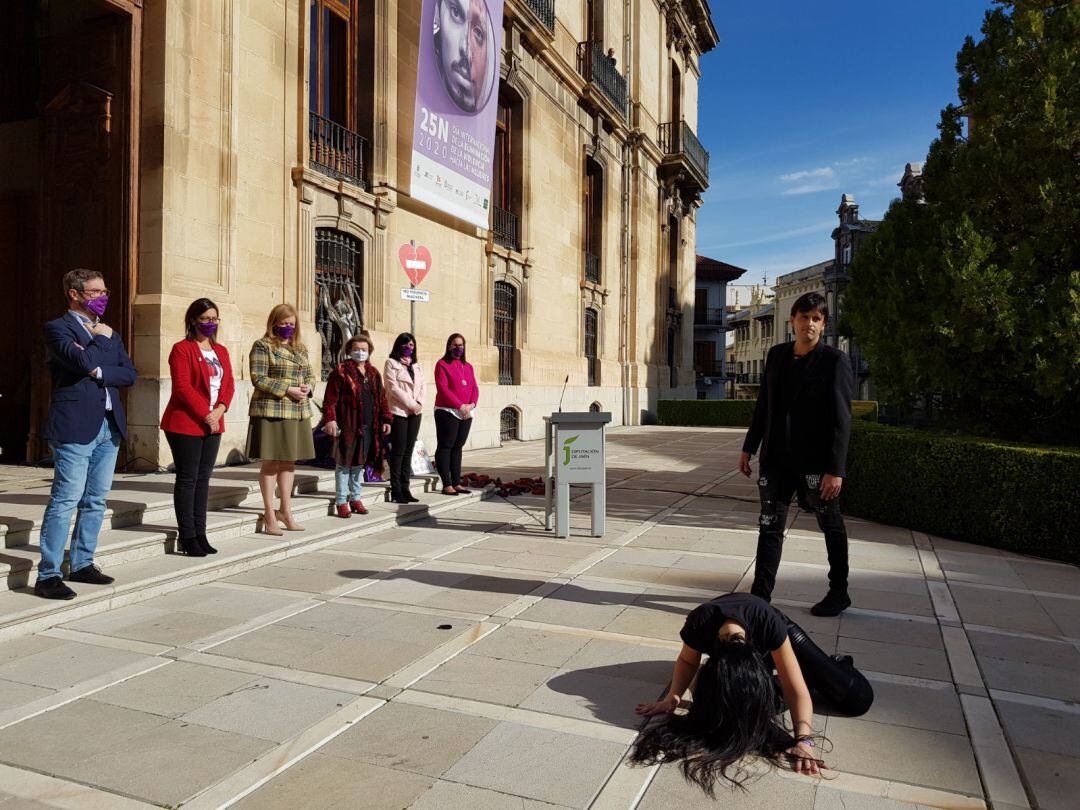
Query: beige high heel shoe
point(262, 528)
point(289, 527)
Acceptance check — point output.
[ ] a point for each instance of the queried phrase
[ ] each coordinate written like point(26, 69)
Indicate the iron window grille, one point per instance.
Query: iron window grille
point(591, 319)
point(339, 285)
point(505, 330)
point(508, 425)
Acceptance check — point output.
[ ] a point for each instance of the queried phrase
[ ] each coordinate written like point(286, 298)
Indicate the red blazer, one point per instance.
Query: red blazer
point(190, 400)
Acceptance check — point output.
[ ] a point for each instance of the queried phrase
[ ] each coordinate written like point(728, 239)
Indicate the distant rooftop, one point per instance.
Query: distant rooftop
point(716, 270)
point(804, 274)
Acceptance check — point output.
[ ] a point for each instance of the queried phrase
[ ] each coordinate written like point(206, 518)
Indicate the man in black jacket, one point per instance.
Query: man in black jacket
point(802, 422)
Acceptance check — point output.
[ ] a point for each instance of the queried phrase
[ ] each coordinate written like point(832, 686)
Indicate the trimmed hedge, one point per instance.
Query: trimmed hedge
point(1009, 496)
point(731, 412)
point(705, 412)
point(1017, 497)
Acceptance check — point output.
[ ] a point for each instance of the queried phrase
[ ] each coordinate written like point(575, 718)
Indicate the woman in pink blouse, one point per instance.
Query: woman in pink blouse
point(406, 389)
point(456, 394)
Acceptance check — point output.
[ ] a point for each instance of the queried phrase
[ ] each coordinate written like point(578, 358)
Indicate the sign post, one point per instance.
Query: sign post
point(574, 448)
point(416, 262)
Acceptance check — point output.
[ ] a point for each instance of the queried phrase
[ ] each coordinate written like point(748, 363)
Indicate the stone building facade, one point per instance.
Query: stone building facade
point(259, 152)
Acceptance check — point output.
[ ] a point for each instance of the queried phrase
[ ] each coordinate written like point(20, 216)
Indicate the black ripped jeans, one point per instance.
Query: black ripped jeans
point(832, 677)
point(776, 486)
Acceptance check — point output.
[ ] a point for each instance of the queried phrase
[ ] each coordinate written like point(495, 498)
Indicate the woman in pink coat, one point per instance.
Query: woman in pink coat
point(456, 394)
point(406, 390)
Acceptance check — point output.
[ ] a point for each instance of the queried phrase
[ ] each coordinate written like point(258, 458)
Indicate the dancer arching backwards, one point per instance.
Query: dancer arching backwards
point(736, 710)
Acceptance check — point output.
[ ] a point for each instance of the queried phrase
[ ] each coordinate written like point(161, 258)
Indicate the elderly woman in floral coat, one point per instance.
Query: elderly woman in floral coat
point(357, 415)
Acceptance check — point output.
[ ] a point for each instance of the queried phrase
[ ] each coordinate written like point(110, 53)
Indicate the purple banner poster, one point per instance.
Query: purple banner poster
point(457, 100)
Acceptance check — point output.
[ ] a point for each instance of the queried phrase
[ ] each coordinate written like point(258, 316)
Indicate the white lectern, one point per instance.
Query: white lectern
point(574, 450)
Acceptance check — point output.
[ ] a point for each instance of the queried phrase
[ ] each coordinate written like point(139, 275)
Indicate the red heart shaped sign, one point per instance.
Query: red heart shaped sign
point(415, 261)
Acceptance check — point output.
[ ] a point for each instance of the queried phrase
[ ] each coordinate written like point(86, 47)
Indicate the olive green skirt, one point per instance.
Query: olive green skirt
point(272, 439)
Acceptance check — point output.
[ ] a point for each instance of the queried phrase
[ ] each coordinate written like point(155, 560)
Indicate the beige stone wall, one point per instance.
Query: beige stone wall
point(229, 210)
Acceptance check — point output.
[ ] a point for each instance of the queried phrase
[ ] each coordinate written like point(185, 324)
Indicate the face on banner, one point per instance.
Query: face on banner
point(465, 52)
point(456, 104)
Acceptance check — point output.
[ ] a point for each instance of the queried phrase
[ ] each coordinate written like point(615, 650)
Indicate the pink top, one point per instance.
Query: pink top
point(405, 393)
point(455, 384)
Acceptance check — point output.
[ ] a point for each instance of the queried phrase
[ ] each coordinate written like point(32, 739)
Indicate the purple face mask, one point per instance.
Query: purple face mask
point(457, 351)
point(285, 331)
point(207, 329)
point(406, 351)
point(97, 305)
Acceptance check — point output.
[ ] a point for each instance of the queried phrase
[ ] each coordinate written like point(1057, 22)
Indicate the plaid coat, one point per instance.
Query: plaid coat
point(276, 367)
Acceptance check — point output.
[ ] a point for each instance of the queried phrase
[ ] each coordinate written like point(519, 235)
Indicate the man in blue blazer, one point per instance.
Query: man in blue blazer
point(86, 422)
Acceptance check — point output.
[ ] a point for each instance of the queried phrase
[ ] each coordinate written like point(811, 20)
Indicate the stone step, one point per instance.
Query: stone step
point(22, 612)
point(142, 499)
point(142, 541)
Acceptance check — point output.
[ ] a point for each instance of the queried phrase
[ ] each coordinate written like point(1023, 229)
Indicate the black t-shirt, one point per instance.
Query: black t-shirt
point(791, 375)
point(765, 626)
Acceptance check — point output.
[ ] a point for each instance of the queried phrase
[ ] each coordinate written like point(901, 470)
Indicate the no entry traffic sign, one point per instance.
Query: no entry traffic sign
point(415, 261)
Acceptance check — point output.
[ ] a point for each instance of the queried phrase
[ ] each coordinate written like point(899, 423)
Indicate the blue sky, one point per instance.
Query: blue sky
point(805, 100)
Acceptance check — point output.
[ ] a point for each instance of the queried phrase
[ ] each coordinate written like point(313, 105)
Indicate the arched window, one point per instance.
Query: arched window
point(591, 321)
point(508, 424)
point(339, 291)
point(506, 330)
point(595, 408)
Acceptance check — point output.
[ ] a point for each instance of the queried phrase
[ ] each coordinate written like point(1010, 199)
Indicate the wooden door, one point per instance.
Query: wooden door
point(88, 169)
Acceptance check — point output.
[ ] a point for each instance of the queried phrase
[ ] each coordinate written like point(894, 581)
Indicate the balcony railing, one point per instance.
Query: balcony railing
point(600, 70)
point(592, 268)
point(747, 379)
point(505, 228)
point(678, 140)
point(545, 10)
point(709, 317)
point(336, 151)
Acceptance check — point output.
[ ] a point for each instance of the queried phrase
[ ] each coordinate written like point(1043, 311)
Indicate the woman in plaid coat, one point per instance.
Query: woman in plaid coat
point(279, 432)
point(357, 415)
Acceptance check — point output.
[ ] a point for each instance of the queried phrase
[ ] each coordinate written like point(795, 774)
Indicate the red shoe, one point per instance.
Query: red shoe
point(343, 510)
point(358, 507)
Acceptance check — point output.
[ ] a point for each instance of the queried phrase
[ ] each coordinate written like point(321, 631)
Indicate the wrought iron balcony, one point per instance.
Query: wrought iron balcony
point(545, 10)
point(600, 70)
point(683, 150)
point(592, 268)
point(709, 317)
point(336, 151)
point(505, 228)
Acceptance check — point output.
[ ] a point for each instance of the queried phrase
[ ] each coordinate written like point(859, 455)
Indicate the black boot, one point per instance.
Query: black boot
point(204, 544)
point(834, 603)
point(190, 546)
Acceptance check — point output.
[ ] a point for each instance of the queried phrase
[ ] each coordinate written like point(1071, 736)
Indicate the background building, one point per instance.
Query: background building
point(259, 152)
point(848, 237)
point(710, 325)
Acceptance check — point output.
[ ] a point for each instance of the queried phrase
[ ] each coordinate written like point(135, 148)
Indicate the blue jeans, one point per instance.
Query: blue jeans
point(82, 476)
point(347, 482)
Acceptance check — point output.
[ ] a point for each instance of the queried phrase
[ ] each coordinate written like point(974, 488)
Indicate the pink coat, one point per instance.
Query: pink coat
point(455, 385)
point(406, 394)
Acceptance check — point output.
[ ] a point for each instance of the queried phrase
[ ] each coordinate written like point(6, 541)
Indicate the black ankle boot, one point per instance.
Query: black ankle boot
point(204, 544)
point(190, 546)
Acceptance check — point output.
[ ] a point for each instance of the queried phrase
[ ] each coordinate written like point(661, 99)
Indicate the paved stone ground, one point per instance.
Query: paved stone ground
point(473, 661)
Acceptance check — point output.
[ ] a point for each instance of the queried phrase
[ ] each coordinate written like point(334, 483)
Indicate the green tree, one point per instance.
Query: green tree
point(971, 298)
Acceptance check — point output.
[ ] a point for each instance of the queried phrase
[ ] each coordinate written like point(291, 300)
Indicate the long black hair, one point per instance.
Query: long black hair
point(447, 356)
point(735, 713)
point(400, 341)
point(191, 317)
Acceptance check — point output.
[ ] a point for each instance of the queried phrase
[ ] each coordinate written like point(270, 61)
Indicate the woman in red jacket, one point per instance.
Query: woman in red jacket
point(456, 395)
point(357, 415)
point(194, 419)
